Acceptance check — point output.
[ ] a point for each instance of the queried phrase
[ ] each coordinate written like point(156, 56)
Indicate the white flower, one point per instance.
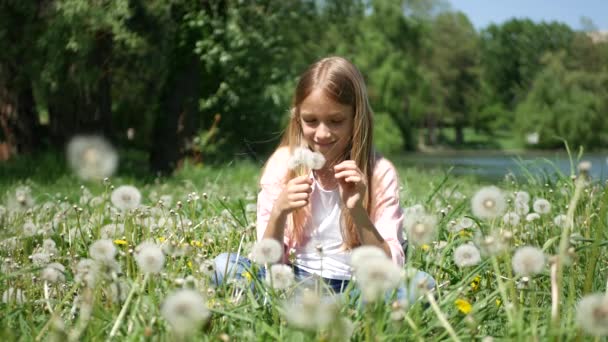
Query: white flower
point(280, 276)
point(126, 197)
point(149, 257)
point(465, 222)
point(207, 268)
point(363, 253)
point(53, 273)
point(303, 156)
point(493, 244)
point(91, 157)
point(376, 276)
point(521, 208)
point(584, 166)
point(185, 310)
point(309, 312)
point(267, 251)
point(86, 272)
point(13, 295)
point(542, 206)
point(420, 229)
point(592, 314)
point(532, 217)
point(466, 255)
point(561, 221)
point(489, 202)
point(29, 229)
point(40, 258)
point(49, 246)
point(102, 250)
point(511, 219)
point(522, 197)
point(528, 261)
point(22, 199)
point(112, 230)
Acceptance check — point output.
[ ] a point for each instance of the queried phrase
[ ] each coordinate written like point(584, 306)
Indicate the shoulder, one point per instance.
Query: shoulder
point(275, 170)
point(383, 168)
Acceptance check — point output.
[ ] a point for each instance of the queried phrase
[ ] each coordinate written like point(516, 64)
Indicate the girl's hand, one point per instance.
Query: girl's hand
point(352, 183)
point(295, 195)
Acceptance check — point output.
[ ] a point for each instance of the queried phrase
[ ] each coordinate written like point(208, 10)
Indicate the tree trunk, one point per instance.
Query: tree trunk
point(404, 124)
point(459, 134)
point(19, 119)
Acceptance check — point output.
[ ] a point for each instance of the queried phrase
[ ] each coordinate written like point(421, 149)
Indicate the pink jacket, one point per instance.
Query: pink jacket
point(386, 214)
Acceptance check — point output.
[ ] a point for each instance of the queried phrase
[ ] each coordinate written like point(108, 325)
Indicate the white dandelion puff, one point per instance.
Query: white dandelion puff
point(49, 246)
point(303, 156)
point(488, 203)
point(522, 208)
point(465, 222)
point(592, 314)
point(185, 311)
point(41, 258)
point(542, 206)
point(561, 221)
point(118, 291)
point(53, 273)
point(126, 197)
point(12, 295)
point(416, 209)
point(421, 229)
point(522, 197)
point(102, 250)
point(584, 166)
point(309, 312)
point(86, 272)
point(112, 230)
point(511, 219)
point(149, 257)
point(532, 217)
point(493, 244)
point(363, 253)
point(21, 199)
point(466, 255)
point(267, 251)
point(29, 229)
point(528, 261)
point(377, 276)
point(91, 157)
point(280, 276)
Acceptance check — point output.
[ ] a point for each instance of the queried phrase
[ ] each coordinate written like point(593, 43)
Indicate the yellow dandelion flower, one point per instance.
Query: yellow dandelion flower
point(161, 239)
point(247, 276)
point(120, 242)
point(498, 302)
point(425, 247)
point(475, 283)
point(196, 243)
point(189, 264)
point(463, 305)
point(465, 233)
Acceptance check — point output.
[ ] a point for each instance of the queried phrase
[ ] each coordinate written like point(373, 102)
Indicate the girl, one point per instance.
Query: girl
point(321, 215)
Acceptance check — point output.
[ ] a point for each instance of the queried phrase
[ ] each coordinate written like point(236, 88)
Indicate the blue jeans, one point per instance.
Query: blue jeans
point(229, 264)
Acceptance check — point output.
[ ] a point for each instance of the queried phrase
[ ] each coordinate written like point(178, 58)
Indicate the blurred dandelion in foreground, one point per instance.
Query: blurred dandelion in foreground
point(103, 251)
point(488, 203)
point(421, 229)
point(376, 276)
point(303, 156)
point(91, 157)
point(53, 273)
point(466, 255)
point(126, 197)
point(309, 312)
point(592, 314)
point(528, 261)
point(542, 206)
point(511, 219)
point(267, 251)
point(561, 221)
point(362, 253)
point(280, 276)
point(12, 295)
point(185, 310)
point(21, 199)
point(149, 257)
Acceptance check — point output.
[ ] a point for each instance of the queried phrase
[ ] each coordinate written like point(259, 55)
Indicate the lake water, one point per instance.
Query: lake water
point(495, 165)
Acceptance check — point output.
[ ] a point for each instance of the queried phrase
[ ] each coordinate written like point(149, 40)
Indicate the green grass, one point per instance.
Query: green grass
point(221, 218)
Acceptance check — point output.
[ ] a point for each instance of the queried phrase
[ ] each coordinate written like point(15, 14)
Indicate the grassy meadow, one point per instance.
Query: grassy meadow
point(50, 221)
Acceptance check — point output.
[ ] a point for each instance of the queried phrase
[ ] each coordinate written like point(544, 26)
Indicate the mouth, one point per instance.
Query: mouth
point(324, 144)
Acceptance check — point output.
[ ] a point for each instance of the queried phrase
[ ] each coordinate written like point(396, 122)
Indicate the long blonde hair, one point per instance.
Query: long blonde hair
point(342, 82)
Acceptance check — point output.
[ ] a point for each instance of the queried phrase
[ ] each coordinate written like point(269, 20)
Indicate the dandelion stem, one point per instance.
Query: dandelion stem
point(125, 306)
point(441, 317)
point(503, 291)
point(46, 297)
point(554, 291)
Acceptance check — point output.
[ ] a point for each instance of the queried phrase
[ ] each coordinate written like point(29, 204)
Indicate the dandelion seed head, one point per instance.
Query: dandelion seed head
point(363, 253)
point(29, 229)
point(466, 255)
point(91, 157)
point(489, 202)
point(280, 276)
point(12, 295)
point(149, 257)
point(376, 276)
point(53, 273)
point(21, 200)
point(102, 250)
point(592, 314)
point(41, 258)
point(511, 219)
point(528, 261)
point(421, 229)
point(112, 230)
point(561, 221)
point(542, 206)
point(185, 310)
point(532, 217)
point(521, 208)
point(126, 197)
point(522, 197)
point(267, 251)
point(309, 312)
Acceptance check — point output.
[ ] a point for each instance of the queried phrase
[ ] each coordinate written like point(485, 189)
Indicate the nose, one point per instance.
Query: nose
point(323, 132)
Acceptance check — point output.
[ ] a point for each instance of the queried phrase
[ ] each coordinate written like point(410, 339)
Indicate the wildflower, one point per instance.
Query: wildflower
point(489, 202)
point(303, 156)
point(511, 219)
point(53, 273)
point(522, 197)
point(267, 251)
point(463, 305)
point(49, 246)
point(29, 229)
point(376, 276)
point(542, 206)
point(12, 295)
point(120, 242)
point(465, 222)
point(493, 244)
point(280, 276)
point(126, 197)
point(363, 253)
point(475, 283)
point(91, 157)
point(86, 272)
point(528, 261)
point(185, 311)
point(309, 312)
point(22, 199)
point(521, 208)
point(420, 229)
point(584, 166)
point(417, 209)
point(466, 255)
point(102, 250)
point(149, 257)
point(592, 314)
point(112, 230)
point(532, 217)
point(41, 258)
point(561, 221)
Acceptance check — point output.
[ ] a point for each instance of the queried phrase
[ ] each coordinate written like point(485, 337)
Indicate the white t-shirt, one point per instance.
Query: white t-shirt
point(324, 231)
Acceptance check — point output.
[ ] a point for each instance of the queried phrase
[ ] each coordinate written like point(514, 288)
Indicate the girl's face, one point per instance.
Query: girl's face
point(327, 125)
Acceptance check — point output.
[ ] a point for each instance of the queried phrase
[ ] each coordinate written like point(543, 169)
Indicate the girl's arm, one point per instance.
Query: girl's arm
point(368, 234)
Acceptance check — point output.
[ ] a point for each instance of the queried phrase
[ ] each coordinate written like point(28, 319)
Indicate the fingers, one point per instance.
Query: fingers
point(346, 165)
